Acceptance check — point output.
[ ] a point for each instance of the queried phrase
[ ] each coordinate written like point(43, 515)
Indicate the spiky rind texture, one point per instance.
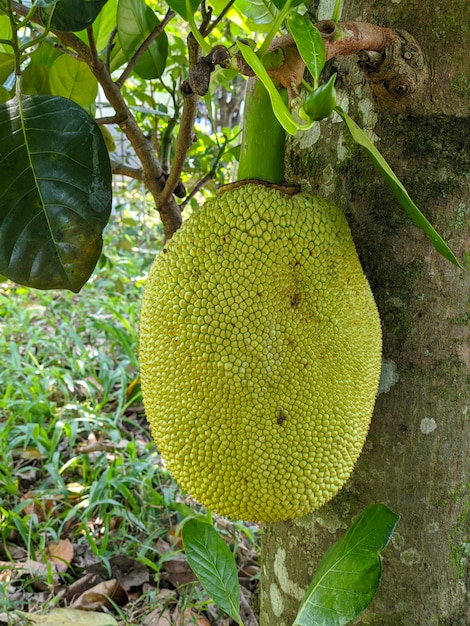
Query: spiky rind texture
point(260, 353)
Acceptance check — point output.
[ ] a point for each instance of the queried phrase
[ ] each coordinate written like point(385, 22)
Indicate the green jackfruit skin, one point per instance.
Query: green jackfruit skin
point(260, 353)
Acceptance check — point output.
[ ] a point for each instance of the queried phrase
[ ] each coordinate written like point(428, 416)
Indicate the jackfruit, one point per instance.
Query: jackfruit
point(260, 353)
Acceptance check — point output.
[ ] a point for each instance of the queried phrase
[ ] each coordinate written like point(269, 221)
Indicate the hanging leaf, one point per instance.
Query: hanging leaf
point(309, 44)
point(180, 6)
point(135, 22)
point(71, 78)
point(279, 107)
point(55, 192)
point(71, 15)
point(349, 573)
point(398, 189)
point(213, 563)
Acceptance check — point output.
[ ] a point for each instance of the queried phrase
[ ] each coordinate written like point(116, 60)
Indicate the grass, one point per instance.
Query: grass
point(76, 459)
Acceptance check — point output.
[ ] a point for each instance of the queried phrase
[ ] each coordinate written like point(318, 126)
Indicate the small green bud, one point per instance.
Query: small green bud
point(321, 102)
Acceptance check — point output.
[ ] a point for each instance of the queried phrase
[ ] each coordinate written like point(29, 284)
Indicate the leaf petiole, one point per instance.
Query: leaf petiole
point(337, 10)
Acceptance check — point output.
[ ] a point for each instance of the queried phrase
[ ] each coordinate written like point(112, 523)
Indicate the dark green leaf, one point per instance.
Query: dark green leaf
point(309, 43)
point(180, 7)
point(55, 192)
point(349, 573)
point(72, 15)
point(135, 21)
point(213, 563)
point(102, 26)
point(71, 78)
point(398, 189)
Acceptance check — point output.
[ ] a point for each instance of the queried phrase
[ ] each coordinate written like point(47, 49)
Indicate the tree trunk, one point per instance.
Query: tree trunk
point(416, 459)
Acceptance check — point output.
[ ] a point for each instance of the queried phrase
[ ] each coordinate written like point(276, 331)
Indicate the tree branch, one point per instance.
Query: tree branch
point(340, 39)
point(210, 27)
point(184, 139)
point(349, 37)
point(125, 170)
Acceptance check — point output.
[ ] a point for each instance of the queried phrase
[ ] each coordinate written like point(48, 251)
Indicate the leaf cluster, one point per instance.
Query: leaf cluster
point(344, 584)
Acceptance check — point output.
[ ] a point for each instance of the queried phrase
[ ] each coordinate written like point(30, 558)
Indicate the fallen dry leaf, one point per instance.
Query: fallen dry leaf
point(190, 618)
point(177, 571)
point(72, 617)
point(158, 617)
point(61, 554)
point(39, 573)
point(97, 596)
point(38, 506)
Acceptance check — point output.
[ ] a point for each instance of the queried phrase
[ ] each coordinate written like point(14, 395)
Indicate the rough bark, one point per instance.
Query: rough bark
point(417, 456)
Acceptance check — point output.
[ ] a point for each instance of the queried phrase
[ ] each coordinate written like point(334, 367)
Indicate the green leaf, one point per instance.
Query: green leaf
point(279, 107)
point(398, 189)
point(5, 33)
point(135, 21)
point(213, 563)
point(180, 7)
point(4, 95)
point(7, 65)
point(280, 4)
point(72, 15)
point(309, 43)
point(35, 79)
point(55, 192)
point(103, 25)
point(71, 78)
point(349, 573)
point(260, 14)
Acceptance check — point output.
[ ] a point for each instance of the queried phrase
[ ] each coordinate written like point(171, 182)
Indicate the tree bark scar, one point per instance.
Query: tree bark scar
point(398, 76)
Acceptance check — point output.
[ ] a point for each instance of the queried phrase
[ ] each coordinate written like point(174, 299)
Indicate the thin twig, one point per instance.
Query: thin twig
point(184, 141)
point(126, 170)
point(218, 19)
point(92, 43)
point(111, 119)
point(144, 46)
point(109, 48)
